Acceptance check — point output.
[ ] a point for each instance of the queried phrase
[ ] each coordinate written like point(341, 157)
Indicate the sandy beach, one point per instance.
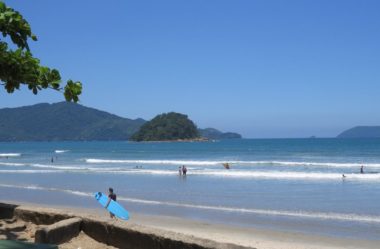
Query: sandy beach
point(250, 237)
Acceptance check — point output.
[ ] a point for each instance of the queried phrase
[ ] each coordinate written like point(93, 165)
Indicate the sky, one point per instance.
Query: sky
point(265, 69)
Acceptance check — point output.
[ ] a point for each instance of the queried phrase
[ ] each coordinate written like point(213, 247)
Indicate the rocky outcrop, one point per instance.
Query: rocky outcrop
point(59, 226)
point(7, 211)
point(45, 216)
point(59, 232)
point(134, 236)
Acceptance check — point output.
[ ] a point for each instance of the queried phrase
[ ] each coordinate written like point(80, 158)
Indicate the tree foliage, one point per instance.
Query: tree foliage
point(19, 67)
point(167, 126)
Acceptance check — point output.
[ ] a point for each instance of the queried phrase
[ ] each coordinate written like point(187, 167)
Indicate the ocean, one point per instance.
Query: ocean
point(282, 184)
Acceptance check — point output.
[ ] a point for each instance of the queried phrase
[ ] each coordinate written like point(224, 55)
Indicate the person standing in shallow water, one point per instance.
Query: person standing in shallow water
point(111, 196)
point(179, 171)
point(362, 169)
point(184, 170)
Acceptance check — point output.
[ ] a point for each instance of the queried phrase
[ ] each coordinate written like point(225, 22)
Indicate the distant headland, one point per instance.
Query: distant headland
point(361, 132)
point(66, 121)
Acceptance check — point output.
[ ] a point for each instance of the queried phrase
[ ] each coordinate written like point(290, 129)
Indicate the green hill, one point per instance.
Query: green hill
point(361, 132)
point(212, 133)
point(166, 127)
point(63, 121)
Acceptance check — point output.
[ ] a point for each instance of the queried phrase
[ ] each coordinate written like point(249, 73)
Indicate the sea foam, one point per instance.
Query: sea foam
point(242, 174)
point(61, 151)
point(232, 162)
point(10, 154)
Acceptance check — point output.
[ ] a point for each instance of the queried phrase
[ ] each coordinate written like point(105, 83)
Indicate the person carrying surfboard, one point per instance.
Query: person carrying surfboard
point(111, 196)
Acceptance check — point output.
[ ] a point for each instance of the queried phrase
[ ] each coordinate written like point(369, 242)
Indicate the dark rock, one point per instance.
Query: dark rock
point(44, 217)
point(59, 232)
point(7, 210)
point(96, 230)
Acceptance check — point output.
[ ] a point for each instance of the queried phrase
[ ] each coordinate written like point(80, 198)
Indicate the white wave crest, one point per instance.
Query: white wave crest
point(36, 165)
point(285, 213)
point(322, 164)
point(288, 175)
point(10, 154)
point(256, 174)
point(171, 162)
point(12, 164)
point(220, 162)
point(35, 187)
point(61, 151)
point(243, 174)
point(27, 171)
point(45, 166)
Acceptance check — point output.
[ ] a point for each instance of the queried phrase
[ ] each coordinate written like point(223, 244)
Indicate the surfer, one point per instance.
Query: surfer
point(362, 169)
point(52, 160)
point(226, 165)
point(343, 176)
point(111, 196)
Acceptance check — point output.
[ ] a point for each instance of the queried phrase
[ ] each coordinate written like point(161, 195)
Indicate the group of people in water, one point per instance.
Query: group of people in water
point(361, 171)
point(182, 171)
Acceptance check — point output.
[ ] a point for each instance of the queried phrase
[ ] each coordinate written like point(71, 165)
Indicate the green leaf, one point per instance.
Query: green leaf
point(19, 66)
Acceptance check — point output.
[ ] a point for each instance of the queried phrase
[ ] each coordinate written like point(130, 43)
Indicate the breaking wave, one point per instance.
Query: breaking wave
point(171, 162)
point(232, 162)
point(61, 151)
point(10, 154)
point(242, 174)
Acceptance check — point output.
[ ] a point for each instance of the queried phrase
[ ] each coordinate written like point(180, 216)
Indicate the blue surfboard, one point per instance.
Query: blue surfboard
point(113, 207)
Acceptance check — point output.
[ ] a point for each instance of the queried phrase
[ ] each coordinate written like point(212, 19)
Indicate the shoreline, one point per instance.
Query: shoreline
point(250, 237)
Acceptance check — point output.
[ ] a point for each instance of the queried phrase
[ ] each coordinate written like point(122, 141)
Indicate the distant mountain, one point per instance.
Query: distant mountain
point(361, 132)
point(170, 126)
point(63, 121)
point(212, 133)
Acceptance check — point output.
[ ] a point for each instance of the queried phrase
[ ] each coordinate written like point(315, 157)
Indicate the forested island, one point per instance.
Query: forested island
point(212, 133)
point(170, 126)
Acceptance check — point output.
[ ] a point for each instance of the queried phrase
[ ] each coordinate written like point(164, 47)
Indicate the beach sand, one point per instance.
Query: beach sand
point(252, 237)
point(20, 230)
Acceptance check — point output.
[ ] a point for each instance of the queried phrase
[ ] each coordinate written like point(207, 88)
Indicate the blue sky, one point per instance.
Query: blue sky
point(261, 68)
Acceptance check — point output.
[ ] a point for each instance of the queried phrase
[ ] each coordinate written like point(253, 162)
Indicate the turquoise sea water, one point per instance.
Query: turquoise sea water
point(284, 184)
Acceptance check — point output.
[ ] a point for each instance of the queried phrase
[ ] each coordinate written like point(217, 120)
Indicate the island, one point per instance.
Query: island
point(170, 126)
point(212, 133)
point(361, 132)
